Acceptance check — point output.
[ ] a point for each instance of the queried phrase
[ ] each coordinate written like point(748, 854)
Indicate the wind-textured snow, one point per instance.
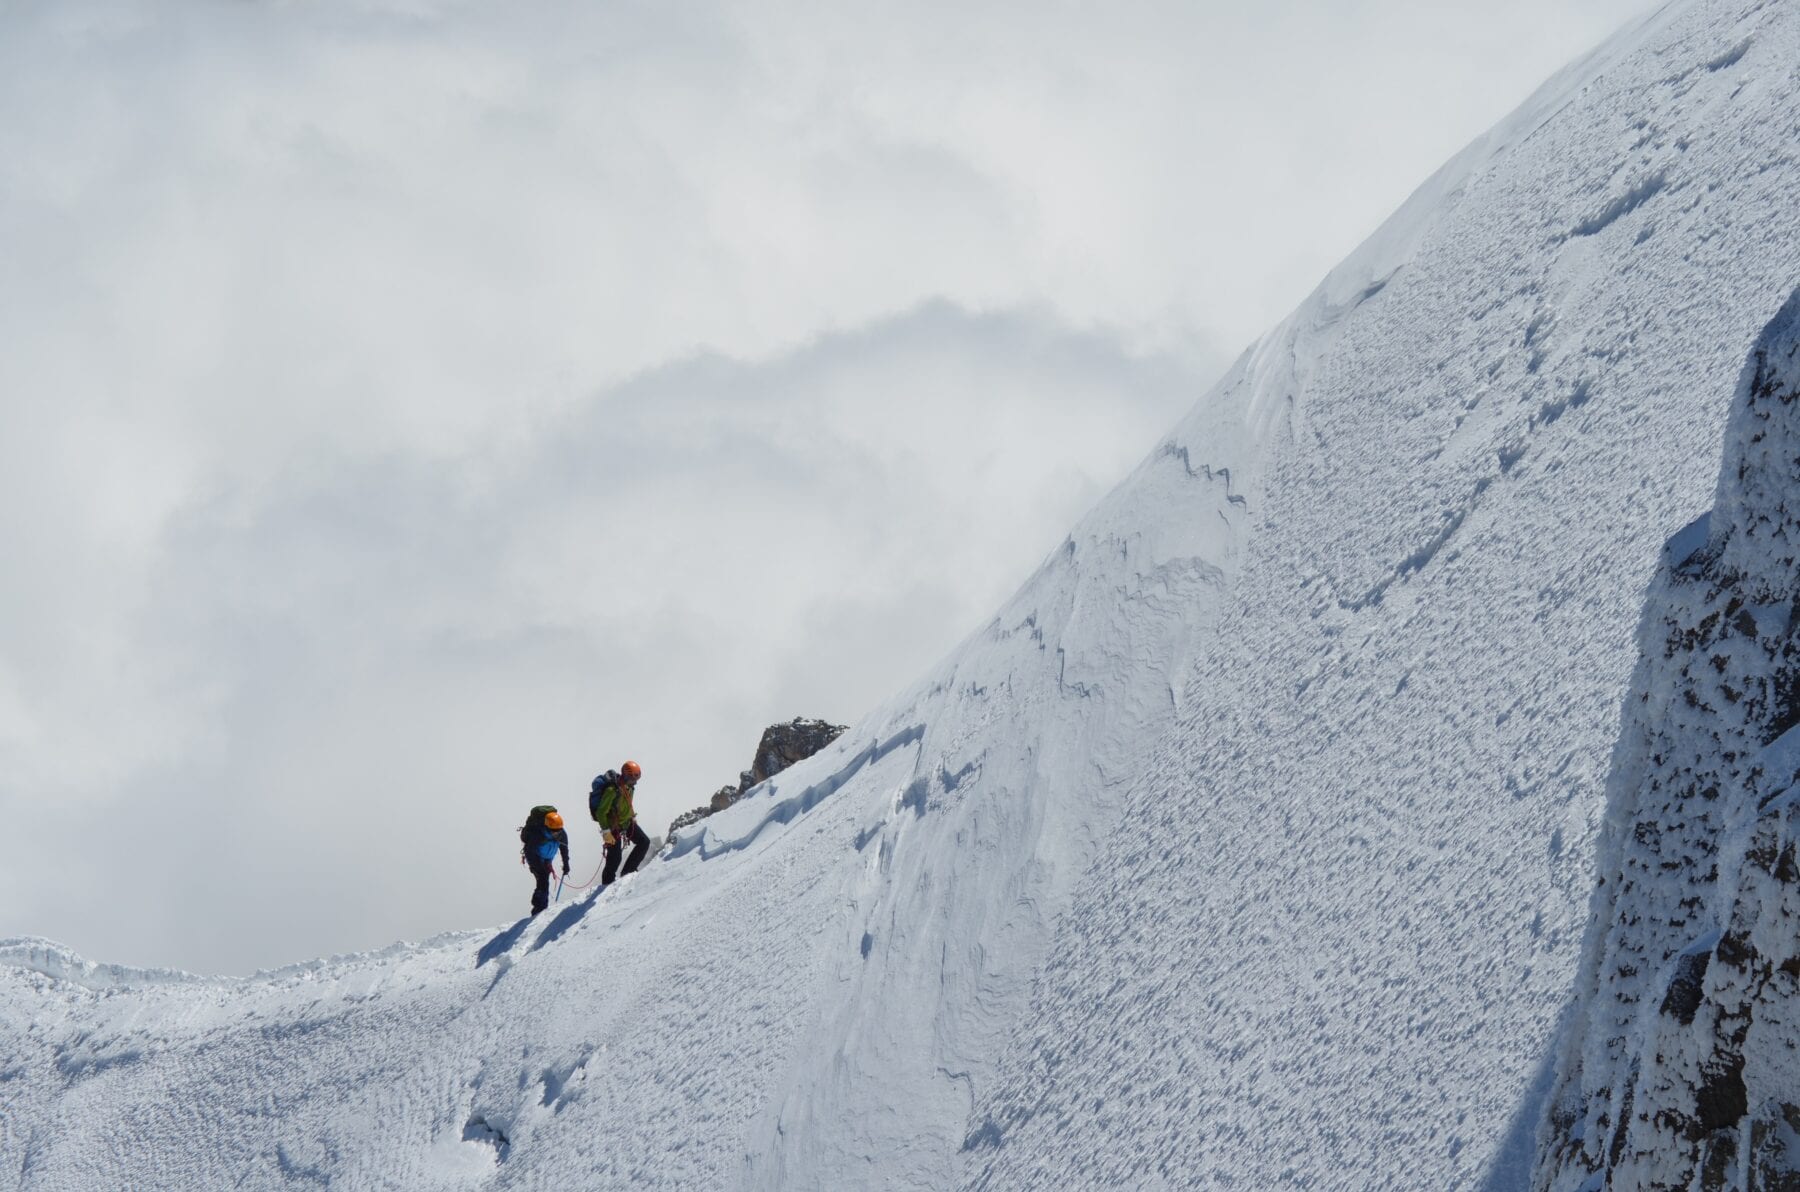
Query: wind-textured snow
point(1339, 925)
point(1249, 846)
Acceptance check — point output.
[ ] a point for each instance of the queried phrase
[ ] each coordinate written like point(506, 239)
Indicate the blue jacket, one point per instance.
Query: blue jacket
point(542, 844)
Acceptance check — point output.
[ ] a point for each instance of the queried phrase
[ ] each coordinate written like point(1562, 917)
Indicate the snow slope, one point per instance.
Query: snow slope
point(1337, 930)
point(802, 994)
point(1249, 845)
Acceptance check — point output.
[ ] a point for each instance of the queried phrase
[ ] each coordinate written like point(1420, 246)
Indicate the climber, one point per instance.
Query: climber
point(543, 837)
point(609, 802)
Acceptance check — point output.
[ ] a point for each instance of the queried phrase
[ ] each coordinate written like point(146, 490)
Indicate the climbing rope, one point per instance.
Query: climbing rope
point(564, 879)
point(589, 883)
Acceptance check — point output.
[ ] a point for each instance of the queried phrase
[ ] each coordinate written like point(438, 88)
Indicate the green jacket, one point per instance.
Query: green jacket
point(616, 811)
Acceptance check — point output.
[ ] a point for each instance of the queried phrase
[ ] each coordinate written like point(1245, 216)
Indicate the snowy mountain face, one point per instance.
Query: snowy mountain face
point(1251, 845)
point(1682, 1069)
point(1338, 923)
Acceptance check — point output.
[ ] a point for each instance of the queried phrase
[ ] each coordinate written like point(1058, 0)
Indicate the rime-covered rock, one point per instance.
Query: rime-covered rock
point(1683, 1067)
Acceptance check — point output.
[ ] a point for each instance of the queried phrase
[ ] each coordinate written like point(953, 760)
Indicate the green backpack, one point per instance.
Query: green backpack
point(536, 818)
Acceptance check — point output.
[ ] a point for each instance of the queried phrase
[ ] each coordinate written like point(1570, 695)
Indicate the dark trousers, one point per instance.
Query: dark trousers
point(540, 897)
point(640, 845)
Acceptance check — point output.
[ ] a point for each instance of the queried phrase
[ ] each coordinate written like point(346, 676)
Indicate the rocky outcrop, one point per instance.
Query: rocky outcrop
point(1682, 1066)
point(782, 745)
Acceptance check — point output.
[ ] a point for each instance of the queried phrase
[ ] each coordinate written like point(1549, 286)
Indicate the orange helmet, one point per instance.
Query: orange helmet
point(631, 771)
point(553, 821)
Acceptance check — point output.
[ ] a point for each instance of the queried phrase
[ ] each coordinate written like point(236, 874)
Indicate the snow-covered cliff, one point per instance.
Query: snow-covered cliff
point(1251, 844)
point(1682, 1067)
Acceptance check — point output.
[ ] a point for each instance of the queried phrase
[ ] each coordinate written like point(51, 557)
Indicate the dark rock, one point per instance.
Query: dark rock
point(1735, 951)
point(782, 745)
point(1722, 1099)
point(1685, 988)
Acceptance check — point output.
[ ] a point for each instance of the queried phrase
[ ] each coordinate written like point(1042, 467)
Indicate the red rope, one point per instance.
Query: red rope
point(585, 885)
point(597, 869)
point(565, 877)
point(564, 881)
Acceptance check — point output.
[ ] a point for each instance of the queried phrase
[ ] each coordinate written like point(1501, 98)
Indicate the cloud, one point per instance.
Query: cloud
point(411, 407)
point(365, 669)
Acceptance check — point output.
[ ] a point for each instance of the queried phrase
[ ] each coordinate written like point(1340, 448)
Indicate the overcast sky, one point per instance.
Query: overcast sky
point(408, 409)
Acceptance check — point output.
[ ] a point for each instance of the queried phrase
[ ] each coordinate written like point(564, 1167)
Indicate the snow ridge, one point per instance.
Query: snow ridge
point(815, 981)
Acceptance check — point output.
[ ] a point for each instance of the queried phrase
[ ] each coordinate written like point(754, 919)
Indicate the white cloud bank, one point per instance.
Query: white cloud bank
point(410, 409)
